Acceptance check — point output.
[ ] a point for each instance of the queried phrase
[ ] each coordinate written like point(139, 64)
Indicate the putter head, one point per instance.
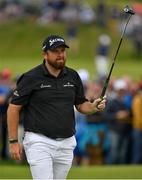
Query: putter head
point(129, 10)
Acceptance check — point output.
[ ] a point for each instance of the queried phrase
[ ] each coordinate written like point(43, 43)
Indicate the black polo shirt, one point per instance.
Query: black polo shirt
point(48, 101)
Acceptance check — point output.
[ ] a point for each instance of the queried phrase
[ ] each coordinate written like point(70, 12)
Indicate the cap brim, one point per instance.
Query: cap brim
point(58, 45)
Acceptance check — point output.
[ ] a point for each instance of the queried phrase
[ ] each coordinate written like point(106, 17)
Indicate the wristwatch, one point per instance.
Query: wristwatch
point(12, 141)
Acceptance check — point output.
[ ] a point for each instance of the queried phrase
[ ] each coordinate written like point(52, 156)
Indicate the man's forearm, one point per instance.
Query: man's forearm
point(89, 108)
point(13, 121)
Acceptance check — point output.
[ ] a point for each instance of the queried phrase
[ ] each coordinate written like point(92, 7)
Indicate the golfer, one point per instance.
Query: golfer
point(47, 95)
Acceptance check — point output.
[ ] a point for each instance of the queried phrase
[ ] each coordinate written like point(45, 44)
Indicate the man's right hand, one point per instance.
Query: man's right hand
point(16, 151)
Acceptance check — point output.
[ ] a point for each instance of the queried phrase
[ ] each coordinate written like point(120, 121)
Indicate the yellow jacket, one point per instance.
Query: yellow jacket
point(137, 111)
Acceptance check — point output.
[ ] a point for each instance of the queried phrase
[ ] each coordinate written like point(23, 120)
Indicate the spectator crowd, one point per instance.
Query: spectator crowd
point(113, 136)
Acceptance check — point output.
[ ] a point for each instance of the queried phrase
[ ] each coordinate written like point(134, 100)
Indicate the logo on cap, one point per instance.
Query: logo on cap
point(52, 41)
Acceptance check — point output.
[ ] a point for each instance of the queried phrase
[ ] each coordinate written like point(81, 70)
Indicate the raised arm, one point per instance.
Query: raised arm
point(89, 108)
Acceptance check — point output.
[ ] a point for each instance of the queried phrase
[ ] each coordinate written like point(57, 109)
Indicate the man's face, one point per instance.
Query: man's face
point(56, 57)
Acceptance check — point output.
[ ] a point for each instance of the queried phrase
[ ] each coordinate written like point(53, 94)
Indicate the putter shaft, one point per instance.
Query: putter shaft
point(114, 60)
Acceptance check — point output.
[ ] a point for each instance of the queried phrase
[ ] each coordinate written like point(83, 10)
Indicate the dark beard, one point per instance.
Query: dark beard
point(57, 65)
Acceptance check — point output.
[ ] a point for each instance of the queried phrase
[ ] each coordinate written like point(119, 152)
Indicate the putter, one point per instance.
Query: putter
point(129, 11)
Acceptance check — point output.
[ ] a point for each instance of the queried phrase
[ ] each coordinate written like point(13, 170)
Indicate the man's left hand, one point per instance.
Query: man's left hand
point(100, 103)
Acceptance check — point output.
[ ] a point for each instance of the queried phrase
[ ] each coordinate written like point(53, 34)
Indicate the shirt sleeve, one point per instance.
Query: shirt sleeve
point(23, 90)
point(80, 96)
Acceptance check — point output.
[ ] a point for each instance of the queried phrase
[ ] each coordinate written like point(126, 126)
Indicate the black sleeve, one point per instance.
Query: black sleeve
point(23, 90)
point(80, 96)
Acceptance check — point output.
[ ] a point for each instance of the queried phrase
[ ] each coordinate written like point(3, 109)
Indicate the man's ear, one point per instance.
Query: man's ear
point(44, 55)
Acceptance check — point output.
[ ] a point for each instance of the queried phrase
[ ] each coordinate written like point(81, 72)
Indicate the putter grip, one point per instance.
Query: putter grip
point(104, 88)
point(103, 91)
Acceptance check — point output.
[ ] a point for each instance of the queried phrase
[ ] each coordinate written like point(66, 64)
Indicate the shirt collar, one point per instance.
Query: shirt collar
point(47, 73)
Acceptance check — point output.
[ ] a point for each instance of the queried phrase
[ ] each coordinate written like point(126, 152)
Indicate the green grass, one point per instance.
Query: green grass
point(118, 3)
point(121, 68)
point(106, 172)
point(93, 172)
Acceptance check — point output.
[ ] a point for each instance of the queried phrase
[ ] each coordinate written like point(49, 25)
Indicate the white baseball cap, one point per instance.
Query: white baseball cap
point(119, 84)
point(84, 74)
